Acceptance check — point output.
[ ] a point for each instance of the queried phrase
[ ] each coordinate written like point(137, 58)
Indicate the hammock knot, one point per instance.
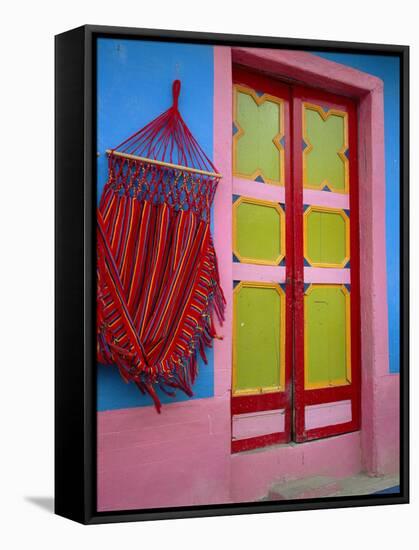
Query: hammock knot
point(176, 92)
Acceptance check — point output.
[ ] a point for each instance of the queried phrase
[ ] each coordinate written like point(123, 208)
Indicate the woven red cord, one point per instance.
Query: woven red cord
point(158, 282)
point(167, 138)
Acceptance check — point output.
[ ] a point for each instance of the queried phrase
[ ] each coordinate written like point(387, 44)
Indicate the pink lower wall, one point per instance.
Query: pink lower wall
point(178, 458)
point(182, 457)
point(382, 455)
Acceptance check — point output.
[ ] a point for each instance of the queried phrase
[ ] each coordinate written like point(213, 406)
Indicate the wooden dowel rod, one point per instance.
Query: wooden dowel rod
point(162, 163)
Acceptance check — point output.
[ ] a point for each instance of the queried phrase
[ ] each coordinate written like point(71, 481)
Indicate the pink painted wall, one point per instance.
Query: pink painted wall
point(182, 457)
point(380, 394)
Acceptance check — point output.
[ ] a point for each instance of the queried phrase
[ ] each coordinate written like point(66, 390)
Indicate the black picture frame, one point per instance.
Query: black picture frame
point(75, 200)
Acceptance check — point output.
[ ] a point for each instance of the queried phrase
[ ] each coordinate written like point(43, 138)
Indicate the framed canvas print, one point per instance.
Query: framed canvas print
point(231, 274)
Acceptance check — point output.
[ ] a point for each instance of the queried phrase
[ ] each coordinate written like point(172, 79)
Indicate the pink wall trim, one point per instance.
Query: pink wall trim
point(182, 457)
point(380, 419)
point(254, 272)
point(223, 101)
point(331, 275)
point(259, 423)
point(261, 191)
point(308, 69)
point(328, 414)
point(320, 198)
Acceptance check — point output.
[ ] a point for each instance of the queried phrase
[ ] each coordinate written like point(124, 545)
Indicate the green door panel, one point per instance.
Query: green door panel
point(326, 340)
point(326, 241)
point(257, 339)
point(255, 149)
point(258, 232)
point(323, 165)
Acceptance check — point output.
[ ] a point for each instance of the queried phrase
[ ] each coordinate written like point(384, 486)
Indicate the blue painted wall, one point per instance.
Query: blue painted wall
point(134, 84)
point(388, 69)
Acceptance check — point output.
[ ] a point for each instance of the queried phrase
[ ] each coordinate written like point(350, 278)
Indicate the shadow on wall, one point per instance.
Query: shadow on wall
point(45, 503)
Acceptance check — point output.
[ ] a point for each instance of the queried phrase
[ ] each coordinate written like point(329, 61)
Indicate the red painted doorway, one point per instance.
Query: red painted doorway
point(295, 172)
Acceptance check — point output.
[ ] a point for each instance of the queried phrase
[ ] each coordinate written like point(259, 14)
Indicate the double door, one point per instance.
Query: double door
point(296, 360)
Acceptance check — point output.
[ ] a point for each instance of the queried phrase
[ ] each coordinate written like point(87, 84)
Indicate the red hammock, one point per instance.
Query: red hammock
point(157, 277)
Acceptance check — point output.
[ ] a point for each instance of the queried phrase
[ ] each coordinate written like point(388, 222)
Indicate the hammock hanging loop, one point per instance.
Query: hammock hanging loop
point(176, 92)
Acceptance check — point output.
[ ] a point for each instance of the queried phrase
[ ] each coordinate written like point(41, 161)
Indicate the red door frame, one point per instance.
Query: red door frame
point(275, 400)
point(303, 397)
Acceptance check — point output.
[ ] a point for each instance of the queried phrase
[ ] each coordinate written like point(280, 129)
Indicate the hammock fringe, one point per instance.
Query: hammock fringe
point(180, 370)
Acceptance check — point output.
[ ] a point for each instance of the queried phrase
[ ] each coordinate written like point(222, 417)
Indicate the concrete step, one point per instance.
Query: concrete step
point(311, 487)
point(363, 484)
point(321, 486)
